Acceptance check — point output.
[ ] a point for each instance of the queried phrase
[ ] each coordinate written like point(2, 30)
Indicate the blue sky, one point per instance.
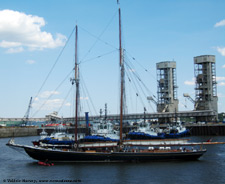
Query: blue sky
point(33, 34)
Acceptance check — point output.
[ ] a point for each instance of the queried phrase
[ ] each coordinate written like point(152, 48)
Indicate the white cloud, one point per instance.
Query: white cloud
point(132, 70)
point(220, 78)
point(190, 83)
point(15, 50)
point(30, 62)
point(223, 66)
point(46, 94)
point(54, 103)
point(68, 104)
point(221, 84)
point(221, 50)
point(51, 104)
point(42, 102)
point(221, 23)
point(36, 99)
point(19, 31)
point(84, 98)
point(6, 44)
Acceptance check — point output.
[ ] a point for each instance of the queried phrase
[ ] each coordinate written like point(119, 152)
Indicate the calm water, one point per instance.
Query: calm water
point(18, 166)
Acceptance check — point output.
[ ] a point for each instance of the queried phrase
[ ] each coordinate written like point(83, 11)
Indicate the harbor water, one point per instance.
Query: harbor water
point(17, 167)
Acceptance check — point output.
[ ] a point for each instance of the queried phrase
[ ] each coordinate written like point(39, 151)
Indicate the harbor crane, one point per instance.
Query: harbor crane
point(150, 98)
point(186, 95)
point(26, 116)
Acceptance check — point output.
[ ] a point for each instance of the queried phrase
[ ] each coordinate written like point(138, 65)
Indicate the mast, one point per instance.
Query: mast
point(77, 84)
point(122, 79)
point(105, 111)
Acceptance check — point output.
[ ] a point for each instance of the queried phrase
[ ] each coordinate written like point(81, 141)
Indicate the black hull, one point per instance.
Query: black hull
point(56, 155)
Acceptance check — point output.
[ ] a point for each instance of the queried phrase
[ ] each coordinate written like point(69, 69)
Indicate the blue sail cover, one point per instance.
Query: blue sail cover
point(142, 135)
point(56, 141)
point(98, 138)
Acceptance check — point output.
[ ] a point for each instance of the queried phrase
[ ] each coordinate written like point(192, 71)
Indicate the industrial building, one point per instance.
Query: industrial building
point(205, 85)
point(167, 87)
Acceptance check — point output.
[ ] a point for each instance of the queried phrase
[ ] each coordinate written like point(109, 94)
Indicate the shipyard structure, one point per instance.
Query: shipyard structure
point(205, 85)
point(166, 88)
point(205, 88)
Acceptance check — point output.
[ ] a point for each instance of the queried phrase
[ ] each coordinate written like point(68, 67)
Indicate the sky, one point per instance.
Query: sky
point(37, 49)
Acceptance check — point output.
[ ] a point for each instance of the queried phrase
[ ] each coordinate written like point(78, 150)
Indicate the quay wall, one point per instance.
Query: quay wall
point(70, 130)
point(18, 131)
point(207, 130)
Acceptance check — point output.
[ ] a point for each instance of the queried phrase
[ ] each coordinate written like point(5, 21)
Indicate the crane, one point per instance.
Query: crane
point(150, 98)
point(186, 95)
point(26, 116)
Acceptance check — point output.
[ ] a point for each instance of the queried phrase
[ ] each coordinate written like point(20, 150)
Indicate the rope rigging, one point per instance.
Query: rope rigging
point(67, 76)
point(131, 67)
point(144, 68)
point(56, 61)
point(137, 84)
point(86, 93)
point(65, 99)
point(52, 68)
point(98, 38)
point(99, 56)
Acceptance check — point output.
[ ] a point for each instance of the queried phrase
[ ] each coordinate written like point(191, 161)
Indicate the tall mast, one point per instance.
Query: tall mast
point(122, 79)
point(77, 84)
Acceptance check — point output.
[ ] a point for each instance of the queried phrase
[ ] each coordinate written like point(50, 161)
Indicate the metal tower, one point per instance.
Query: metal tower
point(205, 89)
point(167, 87)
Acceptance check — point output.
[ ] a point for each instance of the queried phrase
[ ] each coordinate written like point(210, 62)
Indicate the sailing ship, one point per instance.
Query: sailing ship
point(121, 151)
point(109, 152)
